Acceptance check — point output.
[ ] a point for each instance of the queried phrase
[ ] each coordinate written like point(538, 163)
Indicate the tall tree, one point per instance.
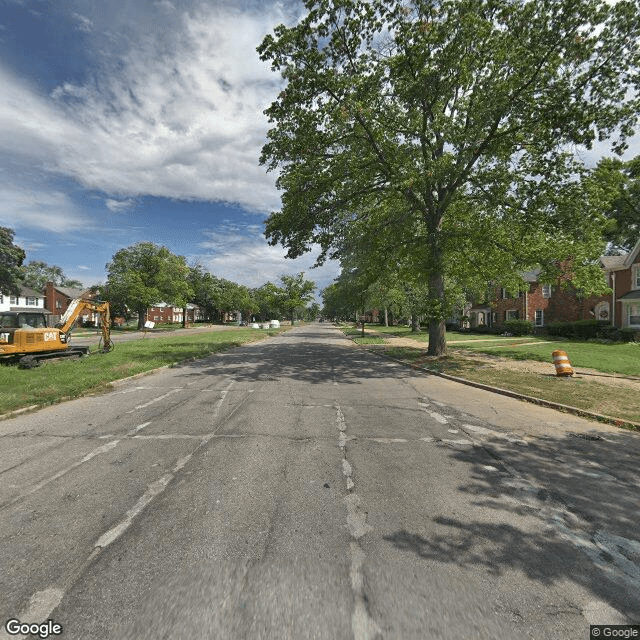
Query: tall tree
point(36, 274)
point(145, 274)
point(622, 179)
point(11, 259)
point(296, 293)
point(441, 124)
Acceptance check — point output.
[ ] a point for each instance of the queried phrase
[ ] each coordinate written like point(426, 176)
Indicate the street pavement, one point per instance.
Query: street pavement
point(302, 487)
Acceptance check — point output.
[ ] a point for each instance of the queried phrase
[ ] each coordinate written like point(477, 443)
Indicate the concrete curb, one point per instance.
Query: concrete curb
point(617, 422)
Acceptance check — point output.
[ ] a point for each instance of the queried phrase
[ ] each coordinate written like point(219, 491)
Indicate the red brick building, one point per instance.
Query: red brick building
point(58, 299)
point(541, 304)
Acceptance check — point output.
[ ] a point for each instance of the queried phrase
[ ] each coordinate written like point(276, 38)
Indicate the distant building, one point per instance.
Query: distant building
point(28, 300)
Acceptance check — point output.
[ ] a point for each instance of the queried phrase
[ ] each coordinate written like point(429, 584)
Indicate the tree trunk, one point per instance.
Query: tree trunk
point(184, 317)
point(386, 317)
point(415, 323)
point(437, 332)
point(141, 320)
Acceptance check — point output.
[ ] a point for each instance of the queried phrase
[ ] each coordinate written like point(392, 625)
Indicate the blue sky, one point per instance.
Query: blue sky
point(140, 121)
point(143, 120)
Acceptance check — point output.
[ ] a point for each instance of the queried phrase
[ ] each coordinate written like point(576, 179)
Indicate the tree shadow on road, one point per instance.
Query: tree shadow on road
point(578, 500)
point(309, 362)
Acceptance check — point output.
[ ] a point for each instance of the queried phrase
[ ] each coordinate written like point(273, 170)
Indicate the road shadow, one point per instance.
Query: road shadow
point(583, 494)
point(311, 362)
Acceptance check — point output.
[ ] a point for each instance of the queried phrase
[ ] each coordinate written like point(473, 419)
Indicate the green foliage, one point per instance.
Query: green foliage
point(589, 329)
point(434, 132)
point(296, 292)
point(145, 274)
point(36, 274)
point(621, 180)
point(518, 327)
point(11, 259)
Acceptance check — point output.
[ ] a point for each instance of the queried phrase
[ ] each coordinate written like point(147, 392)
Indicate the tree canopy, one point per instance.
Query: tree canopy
point(623, 212)
point(146, 274)
point(11, 259)
point(36, 274)
point(439, 131)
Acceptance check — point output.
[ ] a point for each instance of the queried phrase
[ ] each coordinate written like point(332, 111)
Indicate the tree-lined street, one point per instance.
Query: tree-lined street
point(303, 488)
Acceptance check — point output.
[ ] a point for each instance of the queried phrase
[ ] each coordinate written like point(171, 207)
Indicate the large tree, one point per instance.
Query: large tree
point(11, 259)
point(441, 128)
point(296, 293)
point(623, 212)
point(146, 274)
point(36, 274)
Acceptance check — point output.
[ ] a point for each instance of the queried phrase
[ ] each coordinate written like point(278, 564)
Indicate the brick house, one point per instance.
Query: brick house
point(58, 300)
point(542, 303)
point(167, 313)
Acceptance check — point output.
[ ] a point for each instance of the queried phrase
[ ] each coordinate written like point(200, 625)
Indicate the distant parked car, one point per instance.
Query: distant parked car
point(274, 324)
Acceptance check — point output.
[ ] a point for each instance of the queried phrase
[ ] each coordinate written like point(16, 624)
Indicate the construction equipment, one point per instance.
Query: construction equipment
point(25, 334)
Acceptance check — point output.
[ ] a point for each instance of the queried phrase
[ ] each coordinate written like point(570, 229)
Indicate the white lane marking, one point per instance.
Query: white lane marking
point(162, 397)
point(453, 430)
point(480, 430)
point(428, 439)
point(362, 625)
point(170, 436)
point(387, 440)
point(437, 417)
point(157, 487)
point(152, 491)
point(43, 483)
point(41, 604)
point(140, 427)
point(461, 441)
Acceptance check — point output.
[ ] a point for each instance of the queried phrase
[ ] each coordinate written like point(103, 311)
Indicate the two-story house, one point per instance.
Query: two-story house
point(543, 303)
point(28, 300)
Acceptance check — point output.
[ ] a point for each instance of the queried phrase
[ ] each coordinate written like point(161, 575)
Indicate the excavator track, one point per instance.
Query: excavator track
point(35, 359)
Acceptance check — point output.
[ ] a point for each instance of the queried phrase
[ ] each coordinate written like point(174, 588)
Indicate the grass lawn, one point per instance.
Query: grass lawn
point(53, 381)
point(356, 336)
point(618, 357)
point(590, 395)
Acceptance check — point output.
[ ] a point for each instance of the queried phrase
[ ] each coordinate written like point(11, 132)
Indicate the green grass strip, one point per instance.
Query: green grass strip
point(54, 381)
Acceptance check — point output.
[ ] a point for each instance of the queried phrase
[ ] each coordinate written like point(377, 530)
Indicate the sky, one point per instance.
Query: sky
point(123, 122)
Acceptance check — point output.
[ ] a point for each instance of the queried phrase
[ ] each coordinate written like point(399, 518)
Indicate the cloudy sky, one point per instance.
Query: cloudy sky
point(137, 121)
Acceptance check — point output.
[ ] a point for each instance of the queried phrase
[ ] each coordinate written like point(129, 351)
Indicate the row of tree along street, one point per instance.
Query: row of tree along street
point(145, 274)
point(429, 144)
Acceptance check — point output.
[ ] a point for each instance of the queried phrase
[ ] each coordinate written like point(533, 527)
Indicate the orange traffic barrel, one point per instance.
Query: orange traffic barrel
point(561, 360)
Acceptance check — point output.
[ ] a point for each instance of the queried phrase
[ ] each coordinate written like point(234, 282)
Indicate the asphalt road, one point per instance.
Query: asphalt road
point(303, 488)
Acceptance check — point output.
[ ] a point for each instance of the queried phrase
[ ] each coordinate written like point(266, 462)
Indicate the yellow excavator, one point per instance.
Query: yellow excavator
point(26, 336)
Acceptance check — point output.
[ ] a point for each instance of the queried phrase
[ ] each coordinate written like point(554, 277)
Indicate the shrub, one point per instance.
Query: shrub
point(590, 330)
point(518, 327)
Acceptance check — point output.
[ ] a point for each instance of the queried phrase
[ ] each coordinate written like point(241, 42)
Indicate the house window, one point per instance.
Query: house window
point(58, 304)
point(636, 276)
point(546, 290)
point(1, 299)
point(13, 300)
point(512, 314)
point(32, 302)
point(539, 317)
point(634, 315)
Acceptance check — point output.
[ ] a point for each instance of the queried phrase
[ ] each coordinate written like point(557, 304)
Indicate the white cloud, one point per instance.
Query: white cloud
point(83, 267)
point(119, 205)
point(231, 253)
point(82, 23)
point(29, 208)
point(179, 116)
